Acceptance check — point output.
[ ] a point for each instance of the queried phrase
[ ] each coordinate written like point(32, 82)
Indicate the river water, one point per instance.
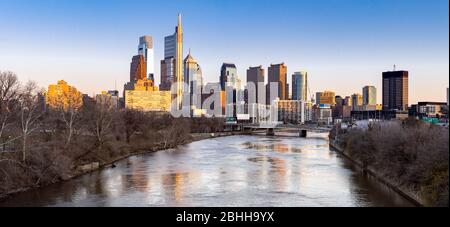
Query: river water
point(232, 171)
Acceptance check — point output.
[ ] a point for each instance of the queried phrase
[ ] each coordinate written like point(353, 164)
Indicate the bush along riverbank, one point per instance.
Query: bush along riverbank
point(409, 156)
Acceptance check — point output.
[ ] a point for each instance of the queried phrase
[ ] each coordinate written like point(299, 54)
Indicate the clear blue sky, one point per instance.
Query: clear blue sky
point(343, 44)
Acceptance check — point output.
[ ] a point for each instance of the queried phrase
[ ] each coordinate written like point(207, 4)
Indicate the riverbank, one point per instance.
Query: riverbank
point(80, 171)
point(397, 188)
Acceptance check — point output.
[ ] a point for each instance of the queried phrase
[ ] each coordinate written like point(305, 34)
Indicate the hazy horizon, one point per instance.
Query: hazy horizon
point(344, 45)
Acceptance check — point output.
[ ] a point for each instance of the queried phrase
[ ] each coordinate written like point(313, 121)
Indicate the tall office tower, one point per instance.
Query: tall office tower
point(145, 49)
point(300, 86)
point(357, 101)
point(172, 65)
point(138, 69)
point(369, 96)
point(395, 90)
point(348, 101)
point(256, 75)
point(228, 76)
point(339, 100)
point(192, 74)
point(278, 74)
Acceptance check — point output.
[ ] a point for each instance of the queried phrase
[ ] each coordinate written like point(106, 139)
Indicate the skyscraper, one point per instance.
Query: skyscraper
point(172, 65)
point(192, 73)
point(256, 75)
point(369, 96)
point(228, 76)
point(145, 49)
point(138, 68)
point(357, 102)
point(395, 90)
point(278, 74)
point(300, 86)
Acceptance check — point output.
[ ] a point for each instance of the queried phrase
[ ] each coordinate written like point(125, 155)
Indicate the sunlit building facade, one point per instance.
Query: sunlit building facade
point(63, 96)
point(149, 101)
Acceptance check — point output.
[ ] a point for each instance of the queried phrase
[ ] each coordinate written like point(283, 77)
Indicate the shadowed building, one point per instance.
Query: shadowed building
point(357, 102)
point(256, 75)
point(228, 76)
point(277, 74)
point(395, 90)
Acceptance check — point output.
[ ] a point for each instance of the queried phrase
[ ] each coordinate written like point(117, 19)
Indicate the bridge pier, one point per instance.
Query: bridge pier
point(303, 133)
point(270, 132)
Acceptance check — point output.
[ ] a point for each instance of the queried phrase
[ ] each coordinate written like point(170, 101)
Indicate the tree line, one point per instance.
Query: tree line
point(41, 145)
point(412, 154)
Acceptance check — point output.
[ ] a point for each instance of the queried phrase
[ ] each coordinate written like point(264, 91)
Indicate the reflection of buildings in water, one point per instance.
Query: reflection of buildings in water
point(279, 166)
point(137, 179)
point(174, 185)
point(280, 147)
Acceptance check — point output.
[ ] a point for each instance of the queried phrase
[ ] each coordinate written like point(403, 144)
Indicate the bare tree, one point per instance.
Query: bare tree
point(67, 105)
point(99, 117)
point(29, 113)
point(9, 91)
point(132, 122)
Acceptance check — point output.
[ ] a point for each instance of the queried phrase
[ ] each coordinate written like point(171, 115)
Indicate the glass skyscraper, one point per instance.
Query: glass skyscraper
point(145, 49)
point(300, 86)
point(369, 96)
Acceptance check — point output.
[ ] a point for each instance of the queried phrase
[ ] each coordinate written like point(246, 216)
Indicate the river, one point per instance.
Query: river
point(255, 171)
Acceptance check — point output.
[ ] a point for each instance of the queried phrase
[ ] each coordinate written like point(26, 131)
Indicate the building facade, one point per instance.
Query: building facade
point(62, 96)
point(326, 98)
point(194, 80)
point(300, 86)
point(229, 77)
point(277, 74)
point(369, 96)
point(357, 102)
point(293, 111)
point(395, 90)
point(149, 101)
point(145, 49)
point(256, 76)
point(172, 65)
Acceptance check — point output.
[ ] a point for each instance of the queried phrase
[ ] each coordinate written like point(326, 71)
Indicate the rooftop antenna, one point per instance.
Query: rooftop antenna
point(395, 67)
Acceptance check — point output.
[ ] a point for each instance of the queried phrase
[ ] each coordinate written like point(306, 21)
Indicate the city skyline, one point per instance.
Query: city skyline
point(330, 67)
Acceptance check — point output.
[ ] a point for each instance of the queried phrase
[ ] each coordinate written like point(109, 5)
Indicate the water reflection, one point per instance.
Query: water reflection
point(232, 171)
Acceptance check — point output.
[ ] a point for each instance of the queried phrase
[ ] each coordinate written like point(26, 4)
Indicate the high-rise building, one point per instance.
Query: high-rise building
point(278, 74)
point(145, 49)
point(395, 90)
point(138, 69)
point(228, 76)
point(192, 73)
point(357, 102)
point(256, 75)
point(300, 86)
point(172, 65)
point(193, 78)
point(369, 96)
